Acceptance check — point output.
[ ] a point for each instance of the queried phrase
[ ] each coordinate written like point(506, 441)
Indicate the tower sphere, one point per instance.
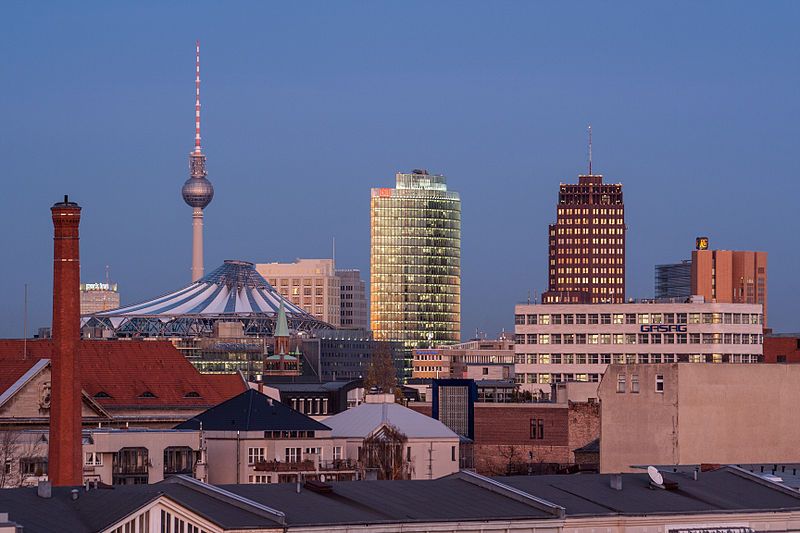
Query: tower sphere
point(197, 192)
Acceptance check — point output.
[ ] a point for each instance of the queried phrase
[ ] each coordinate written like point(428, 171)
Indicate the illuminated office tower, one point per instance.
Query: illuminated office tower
point(586, 262)
point(415, 261)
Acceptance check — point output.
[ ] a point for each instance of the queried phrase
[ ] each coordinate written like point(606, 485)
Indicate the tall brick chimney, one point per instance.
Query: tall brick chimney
point(65, 466)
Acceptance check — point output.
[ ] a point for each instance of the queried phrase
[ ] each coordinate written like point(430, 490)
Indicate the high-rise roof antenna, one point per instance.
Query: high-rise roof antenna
point(197, 100)
point(590, 142)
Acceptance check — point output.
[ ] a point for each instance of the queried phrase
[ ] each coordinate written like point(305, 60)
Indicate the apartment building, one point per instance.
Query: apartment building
point(474, 359)
point(680, 414)
point(576, 342)
point(309, 283)
point(110, 456)
point(731, 276)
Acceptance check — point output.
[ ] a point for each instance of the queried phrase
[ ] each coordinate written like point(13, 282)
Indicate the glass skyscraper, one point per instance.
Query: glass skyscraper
point(415, 261)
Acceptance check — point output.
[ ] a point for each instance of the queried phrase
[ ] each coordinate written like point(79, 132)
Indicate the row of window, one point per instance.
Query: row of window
point(595, 280)
point(584, 251)
point(291, 454)
point(587, 211)
point(629, 358)
point(638, 338)
point(311, 406)
point(547, 378)
point(585, 261)
point(638, 318)
point(174, 524)
point(622, 383)
point(141, 524)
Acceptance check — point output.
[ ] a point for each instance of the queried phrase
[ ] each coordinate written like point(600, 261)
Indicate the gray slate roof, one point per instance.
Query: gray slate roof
point(252, 411)
point(361, 421)
point(460, 497)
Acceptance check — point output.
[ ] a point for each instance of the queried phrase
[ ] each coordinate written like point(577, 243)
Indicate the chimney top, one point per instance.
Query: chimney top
point(379, 398)
point(616, 481)
point(44, 489)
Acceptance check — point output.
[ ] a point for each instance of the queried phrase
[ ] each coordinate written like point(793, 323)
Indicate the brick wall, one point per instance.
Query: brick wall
point(788, 347)
point(503, 440)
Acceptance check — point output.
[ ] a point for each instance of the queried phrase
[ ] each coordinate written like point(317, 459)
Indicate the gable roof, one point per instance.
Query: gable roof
point(252, 411)
point(461, 497)
point(124, 371)
point(365, 419)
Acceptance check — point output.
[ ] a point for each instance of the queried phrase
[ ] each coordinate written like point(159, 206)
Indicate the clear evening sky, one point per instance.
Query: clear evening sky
point(307, 105)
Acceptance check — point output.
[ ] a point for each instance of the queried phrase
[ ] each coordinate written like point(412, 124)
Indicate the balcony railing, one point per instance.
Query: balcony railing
point(284, 466)
point(127, 469)
point(337, 464)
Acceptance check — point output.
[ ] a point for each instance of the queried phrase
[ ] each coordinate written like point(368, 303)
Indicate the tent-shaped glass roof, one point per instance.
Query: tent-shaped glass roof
point(235, 290)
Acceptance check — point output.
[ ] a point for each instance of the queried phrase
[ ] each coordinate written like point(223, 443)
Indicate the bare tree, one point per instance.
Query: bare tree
point(9, 450)
point(16, 446)
point(382, 452)
point(381, 372)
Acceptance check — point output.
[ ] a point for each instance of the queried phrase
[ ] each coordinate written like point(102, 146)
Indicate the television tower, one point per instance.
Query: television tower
point(197, 191)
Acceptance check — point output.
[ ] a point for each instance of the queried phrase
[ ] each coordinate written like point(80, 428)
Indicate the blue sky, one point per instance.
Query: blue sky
point(306, 105)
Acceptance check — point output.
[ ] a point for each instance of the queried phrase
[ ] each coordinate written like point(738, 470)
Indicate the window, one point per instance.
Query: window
point(452, 453)
point(408, 453)
point(255, 455)
point(537, 428)
point(259, 479)
point(621, 382)
point(337, 453)
point(519, 320)
point(635, 383)
point(659, 383)
point(93, 459)
point(292, 455)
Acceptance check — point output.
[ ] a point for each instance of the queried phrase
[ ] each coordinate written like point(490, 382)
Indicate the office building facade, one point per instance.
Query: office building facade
point(586, 262)
point(475, 359)
point(555, 343)
point(353, 290)
point(674, 280)
point(730, 276)
point(97, 297)
point(311, 284)
point(415, 261)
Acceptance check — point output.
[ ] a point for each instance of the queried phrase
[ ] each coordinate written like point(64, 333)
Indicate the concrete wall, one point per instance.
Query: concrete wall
point(706, 414)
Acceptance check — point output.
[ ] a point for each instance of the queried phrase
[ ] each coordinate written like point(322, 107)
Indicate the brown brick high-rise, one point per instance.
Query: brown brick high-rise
point(587, 244)
point(65, 465)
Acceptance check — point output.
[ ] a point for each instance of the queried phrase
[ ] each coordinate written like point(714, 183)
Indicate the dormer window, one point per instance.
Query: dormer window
point(192, 394)
point(102, 394)
point(147, 394)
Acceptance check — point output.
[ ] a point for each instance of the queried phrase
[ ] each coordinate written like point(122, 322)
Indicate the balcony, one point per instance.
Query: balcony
point(337, 464)
point(284, 466)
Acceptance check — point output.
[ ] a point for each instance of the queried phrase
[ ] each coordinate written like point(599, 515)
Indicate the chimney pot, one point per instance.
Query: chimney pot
point(616, 481)
point(44, 489)
point(74, 494)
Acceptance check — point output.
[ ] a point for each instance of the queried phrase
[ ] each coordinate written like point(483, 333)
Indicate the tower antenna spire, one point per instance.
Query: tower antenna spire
point(590, 138)
point(197, 99)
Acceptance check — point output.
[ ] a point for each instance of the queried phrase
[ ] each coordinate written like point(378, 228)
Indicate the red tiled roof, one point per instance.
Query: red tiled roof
point(125, 370)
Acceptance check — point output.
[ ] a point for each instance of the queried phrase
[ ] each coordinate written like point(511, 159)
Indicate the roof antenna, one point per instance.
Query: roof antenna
point(197, 148)
point(590, 147)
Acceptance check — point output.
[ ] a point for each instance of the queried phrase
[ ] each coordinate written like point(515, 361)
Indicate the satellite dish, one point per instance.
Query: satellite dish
point(655, 475)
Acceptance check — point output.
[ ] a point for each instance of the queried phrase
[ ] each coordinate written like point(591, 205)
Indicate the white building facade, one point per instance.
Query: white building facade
point(576, 342)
